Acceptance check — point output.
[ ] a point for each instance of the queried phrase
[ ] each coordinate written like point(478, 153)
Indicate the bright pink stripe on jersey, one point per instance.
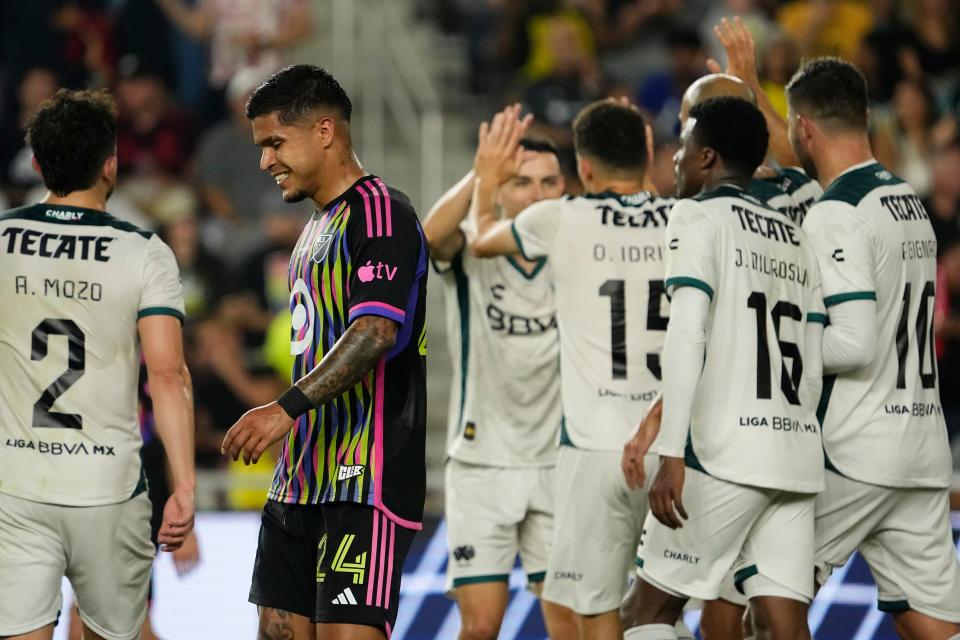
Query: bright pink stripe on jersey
point(389, 630)
point(393, 531)
point(373, 556)
point(378, 401)
point(386, 202)
point(383, 561)
point(366, 205)
point(403, 522)
point(377, 197)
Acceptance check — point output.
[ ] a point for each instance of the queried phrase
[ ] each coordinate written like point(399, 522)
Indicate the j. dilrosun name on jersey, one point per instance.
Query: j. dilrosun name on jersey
point(31, 242)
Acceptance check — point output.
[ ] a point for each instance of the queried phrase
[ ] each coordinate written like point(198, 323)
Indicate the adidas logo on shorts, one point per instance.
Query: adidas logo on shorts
point(345, 597)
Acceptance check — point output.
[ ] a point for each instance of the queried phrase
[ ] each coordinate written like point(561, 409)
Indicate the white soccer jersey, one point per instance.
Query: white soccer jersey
point(74, 282)
point(505, 402)
point(883, 423)
point(607, 255)
point(747, 423)
point(790, 191)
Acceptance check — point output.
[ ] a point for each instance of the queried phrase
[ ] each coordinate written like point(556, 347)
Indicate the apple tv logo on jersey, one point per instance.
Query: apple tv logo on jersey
point(379, 271)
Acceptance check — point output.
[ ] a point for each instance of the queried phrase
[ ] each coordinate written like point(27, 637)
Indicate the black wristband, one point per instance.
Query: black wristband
point(294, 402)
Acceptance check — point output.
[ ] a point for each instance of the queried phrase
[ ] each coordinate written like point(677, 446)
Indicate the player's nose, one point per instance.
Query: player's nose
point(267, 158)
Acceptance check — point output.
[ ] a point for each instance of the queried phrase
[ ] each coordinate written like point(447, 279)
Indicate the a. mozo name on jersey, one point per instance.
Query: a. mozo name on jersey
point(61, 448)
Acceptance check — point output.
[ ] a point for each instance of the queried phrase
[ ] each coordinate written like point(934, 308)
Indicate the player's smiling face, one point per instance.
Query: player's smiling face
point(291, 153)
point(539, 178)
point(686, 163)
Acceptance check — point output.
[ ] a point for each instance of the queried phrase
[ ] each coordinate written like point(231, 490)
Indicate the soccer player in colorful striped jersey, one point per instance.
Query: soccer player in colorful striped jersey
point(348, 491)
point(887, 455)
point(739, 447)
point(505, 412)
point(607, 254)
point(84, 294)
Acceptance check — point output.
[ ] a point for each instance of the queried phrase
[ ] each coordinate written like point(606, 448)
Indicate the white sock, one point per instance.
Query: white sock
point(651, 632)
point(683, 631)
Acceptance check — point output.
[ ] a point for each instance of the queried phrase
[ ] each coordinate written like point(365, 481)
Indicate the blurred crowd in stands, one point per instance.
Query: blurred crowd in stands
point(181, 71)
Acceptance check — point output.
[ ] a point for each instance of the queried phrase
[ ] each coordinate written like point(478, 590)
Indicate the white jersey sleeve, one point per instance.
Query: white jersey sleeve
point(162, 292)
point(535, 228)
point(843, 239)
point(691, 244)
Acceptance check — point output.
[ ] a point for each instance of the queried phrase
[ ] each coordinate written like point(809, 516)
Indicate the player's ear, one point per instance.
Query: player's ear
point(708, 158)
point(110, 167)
point(325, 130)
point(36, 166)
point(584, 168)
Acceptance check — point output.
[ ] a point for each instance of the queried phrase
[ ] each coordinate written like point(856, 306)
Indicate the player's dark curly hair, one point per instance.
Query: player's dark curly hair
point(295, 91)
point(540, 144)
point(612, 134)
point(735, 129)
point(71, 136)
point(832, 91)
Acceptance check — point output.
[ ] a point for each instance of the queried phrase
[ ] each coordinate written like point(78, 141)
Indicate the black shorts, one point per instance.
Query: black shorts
point(335, 563)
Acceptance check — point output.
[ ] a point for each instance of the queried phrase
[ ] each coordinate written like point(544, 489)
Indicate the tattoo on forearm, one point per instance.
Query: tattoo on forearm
point(356, 352)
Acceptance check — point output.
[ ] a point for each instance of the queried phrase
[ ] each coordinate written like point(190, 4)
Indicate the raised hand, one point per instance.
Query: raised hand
point(499, 153)
point(741, 51)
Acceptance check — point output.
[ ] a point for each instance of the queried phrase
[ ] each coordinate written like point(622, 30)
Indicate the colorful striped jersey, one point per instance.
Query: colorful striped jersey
point(362, 254)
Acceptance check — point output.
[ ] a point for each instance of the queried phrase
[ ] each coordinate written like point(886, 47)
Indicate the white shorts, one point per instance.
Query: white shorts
point(750, 530)
point(903, 534)
point(598, 526)
point(104, 551)
point(492, 514)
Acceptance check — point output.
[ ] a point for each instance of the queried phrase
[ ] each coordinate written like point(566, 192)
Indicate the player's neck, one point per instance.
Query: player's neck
point(343, 175)
point(619, 187)
point(714, 181)
point(844, 152)
point(88, 199)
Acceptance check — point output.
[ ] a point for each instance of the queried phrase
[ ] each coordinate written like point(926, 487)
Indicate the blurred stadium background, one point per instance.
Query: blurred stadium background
point(422, 75)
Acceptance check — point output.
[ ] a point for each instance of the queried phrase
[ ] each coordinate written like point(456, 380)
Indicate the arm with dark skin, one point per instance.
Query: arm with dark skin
point(365, 342)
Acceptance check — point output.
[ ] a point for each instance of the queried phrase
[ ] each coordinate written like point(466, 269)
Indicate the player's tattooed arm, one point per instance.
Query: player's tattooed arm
point(362, 345)
point(357, 351)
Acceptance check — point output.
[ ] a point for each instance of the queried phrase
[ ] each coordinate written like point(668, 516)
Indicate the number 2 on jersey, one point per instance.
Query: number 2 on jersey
point(614, 289)
point(76, 362)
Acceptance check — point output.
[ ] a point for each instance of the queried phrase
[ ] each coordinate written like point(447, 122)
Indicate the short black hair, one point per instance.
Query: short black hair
point(296, 90)
point(830, 90)
point(613, 134)
point(540, 145)
point(735, 129)
point(71, 136)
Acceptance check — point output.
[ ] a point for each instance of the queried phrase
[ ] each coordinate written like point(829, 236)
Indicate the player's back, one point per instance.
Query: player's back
point(74, 283)
point(790, 191)
point(883, 423)
point(608, 263)
point(748, 424)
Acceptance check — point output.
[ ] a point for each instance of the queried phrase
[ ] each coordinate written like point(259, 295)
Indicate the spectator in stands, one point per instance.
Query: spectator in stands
point(660, 93)
point(904, 141)
point(228, 168)
point(16, 168)
point(943, 205)
point(154, 136)
point(932, 32)
point(778, 62)
point(242, 34)
point(947, 325)
point(826, 27)
point(555, 99)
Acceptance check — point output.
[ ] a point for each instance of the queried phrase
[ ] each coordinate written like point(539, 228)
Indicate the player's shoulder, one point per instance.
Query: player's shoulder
point(73, 216)
point(723, 197)
point(379, 209)
point(640, 199)
point(854, 185)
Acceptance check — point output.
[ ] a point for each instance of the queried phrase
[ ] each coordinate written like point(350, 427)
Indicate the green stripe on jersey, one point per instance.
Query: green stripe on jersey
point(820, 318)
point(497, 577)
point(516, 237)
point(852, 187)
point(463, 304)
point(684, 281)
point(161, 311)
point(89, 218)
point(847, 297)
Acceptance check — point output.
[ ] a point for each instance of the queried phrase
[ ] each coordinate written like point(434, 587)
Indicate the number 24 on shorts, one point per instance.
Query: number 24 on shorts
point(357, 568)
